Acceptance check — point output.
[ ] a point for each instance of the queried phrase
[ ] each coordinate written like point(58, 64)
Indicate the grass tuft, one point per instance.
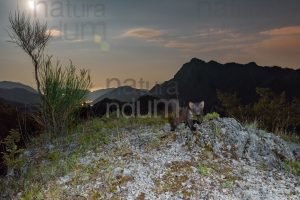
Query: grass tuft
point(203, 170)
point(211, 116)
point(293, 167)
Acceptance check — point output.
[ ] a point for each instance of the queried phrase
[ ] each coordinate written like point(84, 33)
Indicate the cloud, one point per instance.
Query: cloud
point(205, 40)
point(179, 45)
point(210, 33)
point(280, 50)
point(143, 33)
point(217, 32)
point(215, 40)
point(159, 36)
point(279, 46)
point(284, 31)
point(55, 32)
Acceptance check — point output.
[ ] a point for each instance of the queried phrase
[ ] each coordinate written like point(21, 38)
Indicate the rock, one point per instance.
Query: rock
point(181, 126)
point(64, 179)
point(295, 148)
point(117, 171)
point(241, 143)
point(28, 153)
point(50, 147)
point(167, 128)
point(70, 148)
point(126, 172)
point(85, 160)
point(226, 153)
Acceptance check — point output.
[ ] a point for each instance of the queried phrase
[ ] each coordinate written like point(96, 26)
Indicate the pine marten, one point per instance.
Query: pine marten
point(188, 115)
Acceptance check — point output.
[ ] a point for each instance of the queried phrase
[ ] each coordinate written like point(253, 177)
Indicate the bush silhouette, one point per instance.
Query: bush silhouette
point(65, 90)
point(273, 112)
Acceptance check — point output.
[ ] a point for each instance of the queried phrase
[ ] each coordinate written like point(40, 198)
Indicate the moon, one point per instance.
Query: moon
point(31, 4)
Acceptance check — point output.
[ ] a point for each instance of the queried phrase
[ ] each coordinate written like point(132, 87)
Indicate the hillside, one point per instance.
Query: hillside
point(198, 80)
point(139, 158)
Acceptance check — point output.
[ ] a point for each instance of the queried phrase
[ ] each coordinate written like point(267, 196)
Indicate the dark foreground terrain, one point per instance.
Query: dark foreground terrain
point(141, 159)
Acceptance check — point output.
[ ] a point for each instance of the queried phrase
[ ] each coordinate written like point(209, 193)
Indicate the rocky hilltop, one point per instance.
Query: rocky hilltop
point(220, 160)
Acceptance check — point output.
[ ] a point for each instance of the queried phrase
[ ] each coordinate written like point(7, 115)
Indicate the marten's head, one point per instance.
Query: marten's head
point(197, 108)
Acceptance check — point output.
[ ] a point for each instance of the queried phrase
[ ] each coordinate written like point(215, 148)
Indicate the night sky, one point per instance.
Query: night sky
point(151, 39)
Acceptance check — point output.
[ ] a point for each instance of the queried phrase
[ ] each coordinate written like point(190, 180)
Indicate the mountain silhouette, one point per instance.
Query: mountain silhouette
point(198, 80)
point(20, 96)
point(14, 85)
point(122, 94)
point(92, 96)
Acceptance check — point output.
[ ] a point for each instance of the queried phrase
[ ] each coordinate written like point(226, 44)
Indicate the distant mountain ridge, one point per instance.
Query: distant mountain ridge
point(122, 94)
point(92, 96)
point(15, 85)
point(196, 80)
point(18, 94)
point(199, 80)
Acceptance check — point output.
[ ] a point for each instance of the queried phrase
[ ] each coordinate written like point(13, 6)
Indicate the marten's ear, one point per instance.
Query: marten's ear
point(202, 105)
point(191, 105)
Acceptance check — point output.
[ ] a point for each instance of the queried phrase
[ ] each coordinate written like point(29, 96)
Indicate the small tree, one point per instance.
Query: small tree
point(32, 37)
point(62, 90)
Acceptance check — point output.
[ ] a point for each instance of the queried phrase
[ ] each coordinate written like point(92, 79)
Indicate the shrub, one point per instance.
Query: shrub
point(64, 90)
point(275, 112)
point(231, 105)
point(272, 112)
point(11, 156)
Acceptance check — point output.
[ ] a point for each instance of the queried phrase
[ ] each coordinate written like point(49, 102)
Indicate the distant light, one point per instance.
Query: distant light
point(97, 38)
point(31, 4)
